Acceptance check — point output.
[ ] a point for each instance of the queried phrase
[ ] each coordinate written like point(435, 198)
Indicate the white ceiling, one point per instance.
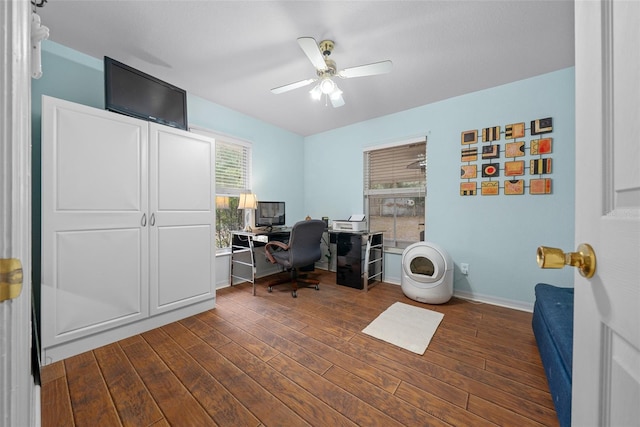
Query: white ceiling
point(233, 52)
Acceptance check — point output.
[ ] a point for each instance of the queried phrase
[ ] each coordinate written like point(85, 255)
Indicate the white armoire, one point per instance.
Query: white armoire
point(127, 227)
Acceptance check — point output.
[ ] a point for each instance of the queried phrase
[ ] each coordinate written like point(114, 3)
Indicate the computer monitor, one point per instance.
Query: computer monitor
point(270, 214)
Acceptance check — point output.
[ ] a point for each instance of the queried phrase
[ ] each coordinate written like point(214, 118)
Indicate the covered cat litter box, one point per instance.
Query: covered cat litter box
point(427, 273)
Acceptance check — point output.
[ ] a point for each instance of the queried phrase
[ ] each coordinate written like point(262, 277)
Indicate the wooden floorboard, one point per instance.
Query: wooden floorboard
point(124, 383)
point(274, 360)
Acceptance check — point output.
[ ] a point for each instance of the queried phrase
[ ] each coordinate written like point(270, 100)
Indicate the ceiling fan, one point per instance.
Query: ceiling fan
point(318, 54)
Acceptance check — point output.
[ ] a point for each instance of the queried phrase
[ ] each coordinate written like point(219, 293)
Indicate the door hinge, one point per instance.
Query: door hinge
point(10, 278)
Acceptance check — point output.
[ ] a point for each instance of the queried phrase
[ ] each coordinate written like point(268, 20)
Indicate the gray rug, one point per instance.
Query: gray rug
point(405, 326)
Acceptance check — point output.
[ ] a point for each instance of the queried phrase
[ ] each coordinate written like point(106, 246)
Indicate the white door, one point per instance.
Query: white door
point(181, 194)
point(606, 355)
point(94, 221)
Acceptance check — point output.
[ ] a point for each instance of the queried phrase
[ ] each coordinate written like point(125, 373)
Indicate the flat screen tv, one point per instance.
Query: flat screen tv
point(134, 93)
point(270, 214)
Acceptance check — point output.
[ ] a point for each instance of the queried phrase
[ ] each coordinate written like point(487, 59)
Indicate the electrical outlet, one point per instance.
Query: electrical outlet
point(464, 268)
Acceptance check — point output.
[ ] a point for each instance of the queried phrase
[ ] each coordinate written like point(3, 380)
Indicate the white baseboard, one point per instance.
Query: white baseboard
point(501, 302)
point(71, 348)
point(486, 299)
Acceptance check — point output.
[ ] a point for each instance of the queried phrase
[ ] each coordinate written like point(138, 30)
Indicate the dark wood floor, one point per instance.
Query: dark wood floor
point(274, 360)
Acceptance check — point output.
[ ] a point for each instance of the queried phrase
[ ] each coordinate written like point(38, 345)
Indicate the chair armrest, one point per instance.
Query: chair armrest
point(277, 244)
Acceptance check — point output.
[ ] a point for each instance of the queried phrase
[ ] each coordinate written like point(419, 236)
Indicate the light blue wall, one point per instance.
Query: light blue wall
point(497, 236)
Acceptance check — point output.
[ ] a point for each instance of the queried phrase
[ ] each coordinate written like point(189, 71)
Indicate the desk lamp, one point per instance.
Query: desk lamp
point(248, 201)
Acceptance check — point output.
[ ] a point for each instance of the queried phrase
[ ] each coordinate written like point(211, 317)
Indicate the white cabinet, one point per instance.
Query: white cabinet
point(181, 171)
point(127, 226)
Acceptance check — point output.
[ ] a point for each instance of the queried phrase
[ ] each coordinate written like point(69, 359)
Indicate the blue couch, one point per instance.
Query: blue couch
point(553, 328)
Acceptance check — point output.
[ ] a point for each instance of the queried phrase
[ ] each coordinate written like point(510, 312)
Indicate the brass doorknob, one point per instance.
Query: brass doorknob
point(10, 278)
point(584, 259)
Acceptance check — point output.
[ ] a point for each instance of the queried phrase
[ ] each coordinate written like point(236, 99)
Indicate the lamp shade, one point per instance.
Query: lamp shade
point(247, 201)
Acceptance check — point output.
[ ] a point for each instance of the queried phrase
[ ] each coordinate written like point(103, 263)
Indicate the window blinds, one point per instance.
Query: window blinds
point(232, 168)
point(400, 168)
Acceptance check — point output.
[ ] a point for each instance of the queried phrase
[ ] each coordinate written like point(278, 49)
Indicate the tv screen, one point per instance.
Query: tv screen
point(269, 214)
point(134, 93)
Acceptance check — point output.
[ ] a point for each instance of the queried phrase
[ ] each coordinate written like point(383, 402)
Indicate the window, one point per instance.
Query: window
point(395, 184)
point(233, 176)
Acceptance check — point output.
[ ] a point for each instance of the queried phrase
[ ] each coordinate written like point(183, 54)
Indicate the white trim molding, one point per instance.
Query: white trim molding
point(18, 392)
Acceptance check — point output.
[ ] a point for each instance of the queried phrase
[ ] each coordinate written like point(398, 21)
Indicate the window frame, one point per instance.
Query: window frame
point(391, 243)
point(221, 139)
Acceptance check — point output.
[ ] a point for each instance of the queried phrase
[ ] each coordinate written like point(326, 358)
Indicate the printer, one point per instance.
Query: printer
point(355, 223)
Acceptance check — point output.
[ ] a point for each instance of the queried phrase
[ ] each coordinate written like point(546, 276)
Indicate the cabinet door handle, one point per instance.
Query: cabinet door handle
point(144, 220)
point(152, 220)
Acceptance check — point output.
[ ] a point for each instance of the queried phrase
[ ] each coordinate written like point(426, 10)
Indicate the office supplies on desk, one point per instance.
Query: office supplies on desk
point(356, 222)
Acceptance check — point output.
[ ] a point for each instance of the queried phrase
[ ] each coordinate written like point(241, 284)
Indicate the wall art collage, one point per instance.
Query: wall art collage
point(511, 166)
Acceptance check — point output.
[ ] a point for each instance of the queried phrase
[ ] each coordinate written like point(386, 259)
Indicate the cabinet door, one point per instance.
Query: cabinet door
point(94, 240)
point(182, 218)
point(349, 263)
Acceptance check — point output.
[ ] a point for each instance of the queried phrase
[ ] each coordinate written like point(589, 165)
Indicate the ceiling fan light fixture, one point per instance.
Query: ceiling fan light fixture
point(327, 86)
point(336, 94)
point(316, 93)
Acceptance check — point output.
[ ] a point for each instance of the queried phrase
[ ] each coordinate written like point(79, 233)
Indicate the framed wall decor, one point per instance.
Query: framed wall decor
point(484, 164)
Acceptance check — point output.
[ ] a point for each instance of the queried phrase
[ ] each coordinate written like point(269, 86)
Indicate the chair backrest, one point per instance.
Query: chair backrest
point(304, 242)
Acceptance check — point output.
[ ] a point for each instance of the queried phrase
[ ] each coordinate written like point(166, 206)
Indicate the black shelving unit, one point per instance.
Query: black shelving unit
point(360, 259)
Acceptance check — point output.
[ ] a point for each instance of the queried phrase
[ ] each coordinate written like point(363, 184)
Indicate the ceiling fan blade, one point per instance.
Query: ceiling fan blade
point(291, 86)
point(366, 70)
point(337, 101)
point(310, 48)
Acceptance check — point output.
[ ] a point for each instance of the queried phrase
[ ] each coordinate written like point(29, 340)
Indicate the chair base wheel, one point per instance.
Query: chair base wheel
point(269, 289)
point(294, 294)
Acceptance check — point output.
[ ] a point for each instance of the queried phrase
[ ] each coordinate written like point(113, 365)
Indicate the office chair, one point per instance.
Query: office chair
point(302, 250)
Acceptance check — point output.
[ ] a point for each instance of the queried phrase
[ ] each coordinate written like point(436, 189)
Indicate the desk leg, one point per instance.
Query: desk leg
point(236, 250)
point(373, 260)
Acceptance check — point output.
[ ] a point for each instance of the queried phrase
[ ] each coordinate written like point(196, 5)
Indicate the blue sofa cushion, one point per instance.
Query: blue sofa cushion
point(553, 328)
point(557, 312)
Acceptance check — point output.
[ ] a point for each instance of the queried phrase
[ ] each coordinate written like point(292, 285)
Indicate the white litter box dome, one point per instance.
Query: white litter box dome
point(427, 273)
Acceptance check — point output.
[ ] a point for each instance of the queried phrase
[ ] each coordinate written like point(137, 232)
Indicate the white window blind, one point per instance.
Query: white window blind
point(232, 168)
point(398, 169)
